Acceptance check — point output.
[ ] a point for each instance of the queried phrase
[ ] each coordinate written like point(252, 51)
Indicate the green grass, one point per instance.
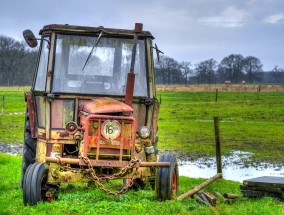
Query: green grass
point(252, 122)
point(14, 100)
point(249, 122)
point(11, 124)
point(80, 199)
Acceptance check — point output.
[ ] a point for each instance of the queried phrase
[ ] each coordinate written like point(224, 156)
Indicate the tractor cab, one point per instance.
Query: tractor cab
point(92, 111)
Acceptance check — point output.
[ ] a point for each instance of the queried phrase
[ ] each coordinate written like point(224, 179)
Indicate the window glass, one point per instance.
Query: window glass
point(40, 110)
point(42, 67)
point(62, 111)
point(82, 68)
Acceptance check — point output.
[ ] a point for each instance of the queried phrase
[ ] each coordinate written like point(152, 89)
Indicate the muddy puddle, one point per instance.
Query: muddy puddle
point(235, 167)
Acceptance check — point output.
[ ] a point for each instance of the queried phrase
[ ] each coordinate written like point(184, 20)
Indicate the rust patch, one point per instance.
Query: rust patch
point(31, 111)
point(105, 105)
point(48, 149)
point(63, 134)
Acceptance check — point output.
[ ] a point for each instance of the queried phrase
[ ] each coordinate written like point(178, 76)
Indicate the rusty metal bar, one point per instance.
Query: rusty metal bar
point(31, 111)
point(218, 144)
point(131, 76)
point(106, 163)
point(158, 164)
point(129, 89)
point(122, 140)
point(199, 187)
point(64, 160)
point(99, 138)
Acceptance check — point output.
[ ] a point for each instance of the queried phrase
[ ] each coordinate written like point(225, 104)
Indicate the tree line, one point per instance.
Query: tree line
point(17, 64)
point(234, 68)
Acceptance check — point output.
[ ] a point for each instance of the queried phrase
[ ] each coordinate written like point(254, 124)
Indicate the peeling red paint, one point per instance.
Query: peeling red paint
point(105, 105)
point(31, 111)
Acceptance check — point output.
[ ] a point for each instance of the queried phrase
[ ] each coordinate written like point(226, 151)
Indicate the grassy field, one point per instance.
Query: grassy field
point(11, 124)
point(81, 199)
point(251, 122)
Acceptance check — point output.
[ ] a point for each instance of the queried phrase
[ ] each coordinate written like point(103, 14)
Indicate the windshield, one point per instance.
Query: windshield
point(42, 67)
point(106, 70)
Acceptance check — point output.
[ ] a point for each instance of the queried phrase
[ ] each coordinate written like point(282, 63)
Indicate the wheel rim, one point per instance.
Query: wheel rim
point(43, 187)
point(174, 182)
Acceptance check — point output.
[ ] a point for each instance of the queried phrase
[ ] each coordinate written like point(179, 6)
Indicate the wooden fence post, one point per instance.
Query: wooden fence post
point(218, 144)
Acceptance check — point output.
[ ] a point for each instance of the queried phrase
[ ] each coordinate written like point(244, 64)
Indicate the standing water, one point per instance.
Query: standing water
point(233, 167)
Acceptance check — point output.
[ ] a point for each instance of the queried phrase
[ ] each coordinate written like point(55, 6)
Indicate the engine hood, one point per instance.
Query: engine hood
point(105, 105)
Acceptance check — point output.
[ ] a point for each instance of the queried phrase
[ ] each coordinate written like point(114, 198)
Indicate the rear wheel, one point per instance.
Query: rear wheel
point(35, 187)
point(29, 148)
point(167, 181)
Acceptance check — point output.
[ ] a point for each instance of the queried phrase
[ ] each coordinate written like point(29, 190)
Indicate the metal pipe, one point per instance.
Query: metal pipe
point(131, 76)
point(63, 160)
point(158, 164)
point(199, 187)
point(77, 161)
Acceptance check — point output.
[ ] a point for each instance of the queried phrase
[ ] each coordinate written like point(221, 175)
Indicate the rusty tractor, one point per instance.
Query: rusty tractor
point(92, 113)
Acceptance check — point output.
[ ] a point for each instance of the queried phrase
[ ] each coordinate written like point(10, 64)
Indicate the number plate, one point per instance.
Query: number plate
point(111, 129)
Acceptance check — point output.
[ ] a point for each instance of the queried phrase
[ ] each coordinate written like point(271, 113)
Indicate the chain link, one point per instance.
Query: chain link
point(91, 174)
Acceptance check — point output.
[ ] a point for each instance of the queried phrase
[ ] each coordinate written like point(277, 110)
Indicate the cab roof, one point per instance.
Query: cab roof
point(92, 30)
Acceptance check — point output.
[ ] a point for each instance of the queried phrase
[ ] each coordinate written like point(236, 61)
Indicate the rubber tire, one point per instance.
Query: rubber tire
point(29, 148)
point(167, 178)
point(34, 180)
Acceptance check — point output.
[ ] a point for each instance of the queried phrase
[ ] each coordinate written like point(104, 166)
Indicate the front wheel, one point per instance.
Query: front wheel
point(167, 181)
point(35, 188)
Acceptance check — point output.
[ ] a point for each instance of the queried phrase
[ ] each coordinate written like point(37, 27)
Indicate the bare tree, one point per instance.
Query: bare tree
point(206, 71)
point(277, 74)
point(252, 67)
point(168, 71)
point(231, 68)
point(16, 62)
point(185, 69)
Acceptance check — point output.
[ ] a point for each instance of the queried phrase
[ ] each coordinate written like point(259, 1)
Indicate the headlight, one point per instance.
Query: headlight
point(144, 132)
point(71, 127)
point(111, 129)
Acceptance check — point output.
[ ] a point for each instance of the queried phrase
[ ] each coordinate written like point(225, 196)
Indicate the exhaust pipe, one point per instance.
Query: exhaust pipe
point(131, 75)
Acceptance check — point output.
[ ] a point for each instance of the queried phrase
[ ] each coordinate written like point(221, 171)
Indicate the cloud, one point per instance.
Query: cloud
point(273, 19)
point(228, 18)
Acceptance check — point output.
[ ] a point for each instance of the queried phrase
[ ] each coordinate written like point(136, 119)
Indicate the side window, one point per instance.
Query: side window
point(42, 67)
point(40, 110)
point(62, 111)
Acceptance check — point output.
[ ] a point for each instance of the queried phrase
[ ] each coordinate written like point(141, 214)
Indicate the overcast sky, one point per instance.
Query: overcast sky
point(186, 30)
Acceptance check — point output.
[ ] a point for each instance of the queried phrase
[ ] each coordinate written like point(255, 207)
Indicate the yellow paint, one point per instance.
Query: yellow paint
point(40, 151)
